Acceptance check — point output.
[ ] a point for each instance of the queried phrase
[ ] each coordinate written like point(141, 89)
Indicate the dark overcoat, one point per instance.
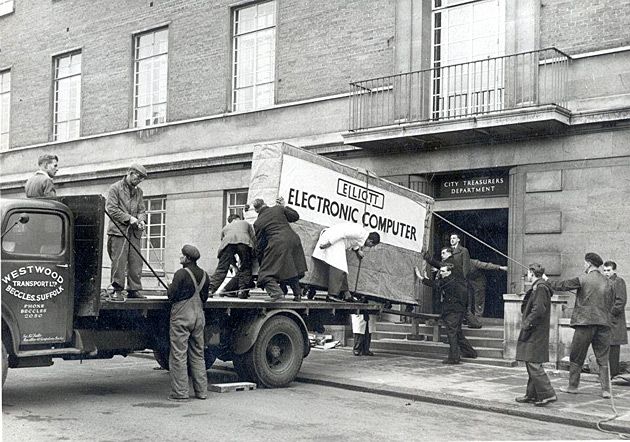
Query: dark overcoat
point(278, 247)
point(533, 341)
point(619, 334)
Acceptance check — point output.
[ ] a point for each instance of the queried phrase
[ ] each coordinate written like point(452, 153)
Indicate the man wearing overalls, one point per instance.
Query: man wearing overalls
point(187, 294)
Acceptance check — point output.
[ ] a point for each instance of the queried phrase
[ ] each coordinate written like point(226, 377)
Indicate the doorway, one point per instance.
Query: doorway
point(491, 226)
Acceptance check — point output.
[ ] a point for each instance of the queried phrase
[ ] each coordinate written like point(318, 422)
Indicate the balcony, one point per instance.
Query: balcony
point(494, 98)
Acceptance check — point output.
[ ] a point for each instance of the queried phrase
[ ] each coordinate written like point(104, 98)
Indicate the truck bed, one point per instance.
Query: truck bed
point(156, 300)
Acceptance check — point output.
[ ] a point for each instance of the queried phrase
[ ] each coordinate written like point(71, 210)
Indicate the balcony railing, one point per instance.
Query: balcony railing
point(527, 79)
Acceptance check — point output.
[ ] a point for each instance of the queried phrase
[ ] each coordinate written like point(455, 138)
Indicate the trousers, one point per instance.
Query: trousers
point(187, 347)
point(126, 263)
point(337, 281)
point(538, 384)
point(226, 258)
point(458, 344)
point(362, 341)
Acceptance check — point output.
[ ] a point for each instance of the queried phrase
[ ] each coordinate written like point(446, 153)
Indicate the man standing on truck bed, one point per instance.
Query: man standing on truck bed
point(279, 249)
point(125, 206)
point(187, 293)
point(331, 249)
point(41, 185)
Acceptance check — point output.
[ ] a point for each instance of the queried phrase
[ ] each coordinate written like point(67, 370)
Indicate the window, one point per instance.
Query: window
point(42, 234)
point(466, 37)
point(154, 239)
point(236, 201)
point(5, 108)
point(6, 7)
point(150, 78)
point(67, 99)
point(254, 46)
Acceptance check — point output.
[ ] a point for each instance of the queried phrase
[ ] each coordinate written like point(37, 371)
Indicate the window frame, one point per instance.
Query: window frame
point(233, 69)
point(161, 119)
point(56, 79)
point(33, 214)
point(239, 208)
point(150, 253)
point(5, 95)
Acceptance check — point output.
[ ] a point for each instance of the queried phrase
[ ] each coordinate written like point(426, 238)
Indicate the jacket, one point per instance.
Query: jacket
point(123, 202)
point(453, 292)
point(182, 287)
point(533, 340)
point(593, 300)
point(40, 185)
point(237, 232)
point(619, 333)
point(462, 258)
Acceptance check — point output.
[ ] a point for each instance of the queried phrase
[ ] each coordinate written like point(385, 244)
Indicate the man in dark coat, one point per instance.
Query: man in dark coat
point(619, 333)
point(453, 292)
point(187, 294)
point(533, 341)
point(279, 249)
point(590, 320)
point(237, 238)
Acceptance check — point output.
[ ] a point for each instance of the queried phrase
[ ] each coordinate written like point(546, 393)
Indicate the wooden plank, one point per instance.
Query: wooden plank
point(231, 386)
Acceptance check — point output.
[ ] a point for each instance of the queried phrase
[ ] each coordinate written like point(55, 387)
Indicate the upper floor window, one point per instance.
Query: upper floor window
point(236, 201)
point(254, 46)
point(467, 36)
point(6, 7)
point(154, 240)
point(5, 108)
point(67, 98)
point(150, 77)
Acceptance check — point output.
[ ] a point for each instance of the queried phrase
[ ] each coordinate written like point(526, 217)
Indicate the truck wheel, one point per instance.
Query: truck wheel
point(5, 364)
point(277, 354)
point(161, 356)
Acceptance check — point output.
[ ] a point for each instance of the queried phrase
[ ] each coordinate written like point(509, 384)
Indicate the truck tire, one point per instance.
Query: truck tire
point(276, 356)
point(5, 364)
point(161, 356)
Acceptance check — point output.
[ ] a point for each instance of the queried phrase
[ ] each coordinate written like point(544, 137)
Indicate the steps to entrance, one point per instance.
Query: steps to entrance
point(398, 338)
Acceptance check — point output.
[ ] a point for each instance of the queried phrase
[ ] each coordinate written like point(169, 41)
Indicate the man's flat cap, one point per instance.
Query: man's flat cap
point(594, 259)
point(191, 252)
point(139, 168)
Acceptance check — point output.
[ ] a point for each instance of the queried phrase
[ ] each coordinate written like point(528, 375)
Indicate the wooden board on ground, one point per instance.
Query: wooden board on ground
point(231, 386)
point(325, 192)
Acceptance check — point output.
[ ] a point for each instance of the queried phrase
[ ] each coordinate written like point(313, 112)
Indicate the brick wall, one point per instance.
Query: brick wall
point(321, 46)
point(576, 26)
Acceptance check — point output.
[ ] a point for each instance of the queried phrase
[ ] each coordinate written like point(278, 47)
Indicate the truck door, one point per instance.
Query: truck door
point(37, 282)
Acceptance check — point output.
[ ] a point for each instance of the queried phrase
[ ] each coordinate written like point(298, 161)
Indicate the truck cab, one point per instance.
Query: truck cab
point(39, 280)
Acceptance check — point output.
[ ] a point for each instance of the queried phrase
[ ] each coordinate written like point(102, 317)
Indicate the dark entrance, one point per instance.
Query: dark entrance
point(491, 226)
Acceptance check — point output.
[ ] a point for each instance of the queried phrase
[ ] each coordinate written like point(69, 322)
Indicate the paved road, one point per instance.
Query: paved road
point(124, 399)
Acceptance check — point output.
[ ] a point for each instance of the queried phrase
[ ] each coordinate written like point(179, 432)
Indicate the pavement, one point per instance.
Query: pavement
point(467, 385)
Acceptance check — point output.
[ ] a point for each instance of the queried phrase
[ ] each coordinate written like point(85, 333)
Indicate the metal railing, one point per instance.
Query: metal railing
point(461, 90)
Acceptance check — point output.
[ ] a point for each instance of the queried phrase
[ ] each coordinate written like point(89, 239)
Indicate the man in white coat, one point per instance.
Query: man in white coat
point(331, 249)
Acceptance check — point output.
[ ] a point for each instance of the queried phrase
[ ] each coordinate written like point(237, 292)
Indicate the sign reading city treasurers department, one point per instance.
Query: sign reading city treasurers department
point(323, 196)
point(450, 187)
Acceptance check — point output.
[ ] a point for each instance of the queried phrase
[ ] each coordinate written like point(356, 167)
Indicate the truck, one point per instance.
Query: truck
point(52, 305)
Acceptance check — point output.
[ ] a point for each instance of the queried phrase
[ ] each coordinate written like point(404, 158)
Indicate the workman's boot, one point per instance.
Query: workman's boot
point(274, 291)
point(297, 291)
point(604, 380)
point(574, 378)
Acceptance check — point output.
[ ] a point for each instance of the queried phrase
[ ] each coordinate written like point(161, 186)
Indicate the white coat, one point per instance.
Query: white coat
point(342, 237)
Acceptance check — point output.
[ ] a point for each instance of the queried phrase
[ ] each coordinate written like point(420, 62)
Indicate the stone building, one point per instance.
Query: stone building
point(515, 116)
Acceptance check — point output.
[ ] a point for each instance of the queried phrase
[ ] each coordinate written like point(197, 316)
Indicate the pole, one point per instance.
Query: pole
point(136, 250)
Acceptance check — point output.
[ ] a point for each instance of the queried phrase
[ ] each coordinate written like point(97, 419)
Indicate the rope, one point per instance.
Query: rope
point(479, 240)
point(613, 417)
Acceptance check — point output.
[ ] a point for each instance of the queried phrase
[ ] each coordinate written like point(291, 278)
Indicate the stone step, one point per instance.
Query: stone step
point(476, 341)
point(480, 360)
point(421, 347)
point(486, 331)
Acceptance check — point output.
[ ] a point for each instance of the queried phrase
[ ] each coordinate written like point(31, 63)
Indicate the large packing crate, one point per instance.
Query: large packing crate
point(325, 192)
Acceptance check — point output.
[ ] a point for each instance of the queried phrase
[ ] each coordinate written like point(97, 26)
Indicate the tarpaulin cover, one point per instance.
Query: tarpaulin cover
point(325, 192)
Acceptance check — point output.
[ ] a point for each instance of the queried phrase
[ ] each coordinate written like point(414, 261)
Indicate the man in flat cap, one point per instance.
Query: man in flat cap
point(591, 321)
point(188, 293)
point(41, 185)
point(125, 205)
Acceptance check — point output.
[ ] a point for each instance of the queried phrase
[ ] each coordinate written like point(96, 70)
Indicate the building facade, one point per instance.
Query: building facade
point(515, 116)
